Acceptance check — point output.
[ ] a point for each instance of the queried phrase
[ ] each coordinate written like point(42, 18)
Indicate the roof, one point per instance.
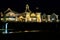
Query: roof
point(9, 10)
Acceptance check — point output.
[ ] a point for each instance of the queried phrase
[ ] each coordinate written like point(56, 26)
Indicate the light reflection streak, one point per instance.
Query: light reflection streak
point(6, 30)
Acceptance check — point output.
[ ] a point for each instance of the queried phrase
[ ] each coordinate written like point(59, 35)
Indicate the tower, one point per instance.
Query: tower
point(27, 8)
point(27, 11)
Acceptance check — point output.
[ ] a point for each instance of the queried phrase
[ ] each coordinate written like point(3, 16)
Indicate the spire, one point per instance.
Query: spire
point(27, 8)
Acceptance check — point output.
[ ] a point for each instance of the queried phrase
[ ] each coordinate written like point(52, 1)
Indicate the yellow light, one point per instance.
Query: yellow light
point(33, 14)
point(27, 17)
point(38, 17)
point(48, 18)
point(21, 18)
point(2, 19)
point(11, 14)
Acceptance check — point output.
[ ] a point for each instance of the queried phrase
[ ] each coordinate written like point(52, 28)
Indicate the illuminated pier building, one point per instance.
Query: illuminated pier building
point(27, 16)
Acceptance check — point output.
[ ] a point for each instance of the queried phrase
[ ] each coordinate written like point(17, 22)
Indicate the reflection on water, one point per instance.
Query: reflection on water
point(20, 31)
point(13, 27)
point(9, 32)
point(6, 30)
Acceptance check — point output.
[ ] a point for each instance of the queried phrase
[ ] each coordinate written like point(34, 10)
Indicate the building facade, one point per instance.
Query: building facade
point(28, 16)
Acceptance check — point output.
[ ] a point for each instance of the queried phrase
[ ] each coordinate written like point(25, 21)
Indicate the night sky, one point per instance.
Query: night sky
point(45, 6)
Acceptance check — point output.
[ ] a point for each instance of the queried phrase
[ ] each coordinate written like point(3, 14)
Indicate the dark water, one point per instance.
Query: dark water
point(28, 36)
point(45, 29)
point(30, 26)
